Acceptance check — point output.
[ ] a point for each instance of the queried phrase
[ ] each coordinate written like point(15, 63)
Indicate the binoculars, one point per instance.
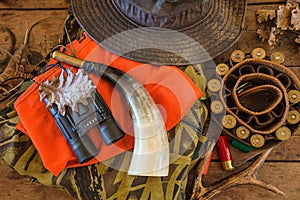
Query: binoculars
point(75, 125)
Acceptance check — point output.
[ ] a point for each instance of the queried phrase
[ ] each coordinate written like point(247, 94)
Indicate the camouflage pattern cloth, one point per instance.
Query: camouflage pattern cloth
point(101, 181)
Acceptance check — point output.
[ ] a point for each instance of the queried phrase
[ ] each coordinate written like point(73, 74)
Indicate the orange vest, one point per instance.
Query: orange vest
point(169, 87)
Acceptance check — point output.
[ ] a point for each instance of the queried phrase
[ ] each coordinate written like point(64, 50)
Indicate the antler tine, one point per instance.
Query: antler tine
point(247, 176)
point(251, 174)
point(198, 186)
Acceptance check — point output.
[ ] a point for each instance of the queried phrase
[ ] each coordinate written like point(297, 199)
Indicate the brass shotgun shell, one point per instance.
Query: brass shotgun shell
point(294, 96)
point(293, 117)
point(227, 165)
point(216, 106)
point(214, 85)
point(222, 69)
point(258, 53)
point(257, 140)
point(277, 57)
point(242, 132)
point(224, 153)
point(229, 121)
point(237, 56)
point(283, 133)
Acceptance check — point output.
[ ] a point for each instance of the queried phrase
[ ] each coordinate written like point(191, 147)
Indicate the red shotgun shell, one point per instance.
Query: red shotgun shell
point(224, 152)
point(205, 170)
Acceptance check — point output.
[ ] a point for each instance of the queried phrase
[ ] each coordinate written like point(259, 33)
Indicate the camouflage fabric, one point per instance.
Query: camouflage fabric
point(102, 181)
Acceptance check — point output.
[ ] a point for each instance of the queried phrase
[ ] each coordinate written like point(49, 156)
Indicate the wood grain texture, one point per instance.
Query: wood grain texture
point(285, 176)
point(249, 39)
point(34, 4)
point(44, 36)
point(251, 2)
point(14, 186)
point(287, 151)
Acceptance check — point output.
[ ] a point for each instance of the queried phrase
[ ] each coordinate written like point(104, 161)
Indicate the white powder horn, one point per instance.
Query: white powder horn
point(151, 148)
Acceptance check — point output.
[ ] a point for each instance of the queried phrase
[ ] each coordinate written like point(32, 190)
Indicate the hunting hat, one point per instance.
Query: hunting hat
point(163, 32)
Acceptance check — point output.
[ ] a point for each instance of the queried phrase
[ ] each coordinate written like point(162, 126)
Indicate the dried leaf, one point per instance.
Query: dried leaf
point(272, 41)
point(67, 90)
point(265, 15)
point(295, 19)
point(293, 1)
point(263, 34)
point(284, 16)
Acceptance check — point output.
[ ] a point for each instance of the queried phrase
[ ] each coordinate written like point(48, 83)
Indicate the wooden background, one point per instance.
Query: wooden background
point(282, 167)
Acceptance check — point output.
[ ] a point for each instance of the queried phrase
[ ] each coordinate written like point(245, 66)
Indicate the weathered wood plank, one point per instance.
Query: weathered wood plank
point(287, 151)
point(249, 38)
point(44, 36)
point(34, 4)
point(285, 176)
point(296, 70)
point(251, 21)
point(265, 1)
point(14, 186)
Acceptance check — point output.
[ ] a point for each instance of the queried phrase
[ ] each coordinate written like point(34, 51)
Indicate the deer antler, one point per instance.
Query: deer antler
point(247, 176)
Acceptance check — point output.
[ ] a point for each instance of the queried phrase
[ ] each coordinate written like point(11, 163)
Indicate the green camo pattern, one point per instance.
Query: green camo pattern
point(100, 181)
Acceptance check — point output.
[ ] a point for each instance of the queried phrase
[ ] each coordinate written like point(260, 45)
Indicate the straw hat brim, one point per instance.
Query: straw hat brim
point(210, 37)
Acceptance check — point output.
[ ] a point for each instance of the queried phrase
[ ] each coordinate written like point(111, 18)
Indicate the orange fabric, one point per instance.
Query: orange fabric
point(169, 87)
